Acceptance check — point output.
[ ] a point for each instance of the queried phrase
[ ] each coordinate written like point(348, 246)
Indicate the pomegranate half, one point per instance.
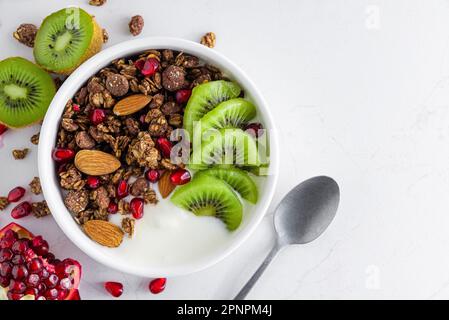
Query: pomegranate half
point(28, 271)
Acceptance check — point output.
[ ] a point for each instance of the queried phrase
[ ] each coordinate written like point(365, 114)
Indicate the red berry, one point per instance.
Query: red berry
point(18, 259)
point(63, 155)
point(35, 265)
point(152, 175)
point(4, 281)
point(255, 129)
point(122, 189)
point(137, 205)
point(33, 280)
point(157, 285)
point(20, 246)
point(113, 207)
point(19, 272)
point(97, 116)
point(51, 281)
point(17, 286)
point(5, 269)
point(5, 255)
point(180, 177)
point(14, 296)
point(76, 107)
point(114, 288)
point(31, 291)
point(183, 95)
point(51, 294)
point(16, 194)
point(3, 128)
point(164, 146)
point(93, 182)
point(147, 67)
point(21, 210)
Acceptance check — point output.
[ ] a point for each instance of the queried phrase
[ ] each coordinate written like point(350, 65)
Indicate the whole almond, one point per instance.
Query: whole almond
point(96, 163)
point(165, 185)
point(104, 233)
point(131, 104)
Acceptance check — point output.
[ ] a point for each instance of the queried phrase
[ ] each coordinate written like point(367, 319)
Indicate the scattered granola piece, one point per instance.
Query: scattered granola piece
point(123, 207)
point(136, 25)
point(3, 203)
point(84, 216)
point(35, 139)
point(105, 36)
point(139, 187)
point(173, 78)
point(40, 209)
point(150, 196)
point(101, 197)
point(128, 226)
point(97, 3)
point(20, 154)
point(209, 40)
point(84, 140)
point(71, 179)
point(143, 151)
point(25, 34)
point(76, 201)
point(35, 186)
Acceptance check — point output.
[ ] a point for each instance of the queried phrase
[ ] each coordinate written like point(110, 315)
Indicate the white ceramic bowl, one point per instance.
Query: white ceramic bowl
point(49, 180)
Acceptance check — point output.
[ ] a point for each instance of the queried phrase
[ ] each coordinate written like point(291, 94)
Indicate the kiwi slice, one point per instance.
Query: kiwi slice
point(227, 146)
point(205, 97)
point(25, 92)
point(238, 179)
point(229, 114)
point(66, 39)
point(210, 196)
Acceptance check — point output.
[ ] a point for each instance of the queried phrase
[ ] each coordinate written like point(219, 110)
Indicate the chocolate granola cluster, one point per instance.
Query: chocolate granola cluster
point(89, 122)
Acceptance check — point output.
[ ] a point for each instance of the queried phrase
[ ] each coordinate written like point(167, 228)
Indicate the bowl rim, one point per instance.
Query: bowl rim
point(50, 127)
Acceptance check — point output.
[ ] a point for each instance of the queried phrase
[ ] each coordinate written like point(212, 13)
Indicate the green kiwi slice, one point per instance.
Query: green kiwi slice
point(25, 92)
point(232, 113)
point(65, 39)
point(210, 196)
point(226, 147)
point(238, 179)
point(205, 97)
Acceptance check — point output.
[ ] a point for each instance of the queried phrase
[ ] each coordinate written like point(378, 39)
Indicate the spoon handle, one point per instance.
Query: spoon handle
point(251, 282)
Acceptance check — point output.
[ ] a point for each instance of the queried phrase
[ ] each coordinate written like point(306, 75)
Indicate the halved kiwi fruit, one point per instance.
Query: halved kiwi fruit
point(25, 92)
point(66, 39)
point(232, 113)
point(227, 146)
point(238, 179)
point(210, 196)
point(205, 97)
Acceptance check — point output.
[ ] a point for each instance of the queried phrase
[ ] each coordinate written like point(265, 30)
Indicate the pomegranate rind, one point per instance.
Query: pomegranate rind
point(75, 274)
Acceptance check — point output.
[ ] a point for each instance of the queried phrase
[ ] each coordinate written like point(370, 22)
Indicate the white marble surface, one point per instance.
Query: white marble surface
point(360, 92)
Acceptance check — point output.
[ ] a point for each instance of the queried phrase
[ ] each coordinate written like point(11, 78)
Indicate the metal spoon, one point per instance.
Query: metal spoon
point(301, 217)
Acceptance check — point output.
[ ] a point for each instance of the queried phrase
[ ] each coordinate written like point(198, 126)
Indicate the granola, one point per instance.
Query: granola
point(3, 203)
point(25, 34)
point(20, 154)
point(35, 139)
point(40, 209)
point(35, 186)
point(128, 226)
point(209, 40)
point(136, 25)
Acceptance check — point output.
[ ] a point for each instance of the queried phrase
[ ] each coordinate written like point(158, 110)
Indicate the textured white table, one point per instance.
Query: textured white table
point(360, 92)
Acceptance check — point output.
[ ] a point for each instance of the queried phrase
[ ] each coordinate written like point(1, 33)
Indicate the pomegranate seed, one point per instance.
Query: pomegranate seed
point(10, 234)
point(5, 255)
point(33, 280)
point(97, 116)
point(5, 269)
point(114, 288)
point(51, 294)
point(3, 128)
point(62, 155)
point(4, 281)
point(17, 259)
point(31, 291)
point(62, 294)
point(7, 242)
point(66, 267)
point(180, 177)
point(16, 194)
point(51, 281)
point(21, 210)
point(51, 258)
point(35, 265)
point(19, 272)
point(137, 205)
point(255, 129)
point(113, 207)
point(14, 296)
point(122, 189)
point(20, 246)
point(183, 95)
point(152, 175)
point(76, 107)
point(93, 182)
point(37, 241)
point(165, 146)
point(65, 284)
point(147, 67)
point(17, 286)
point(40, 246)
point(157, 285)
point(41, 287)
point(44, 274)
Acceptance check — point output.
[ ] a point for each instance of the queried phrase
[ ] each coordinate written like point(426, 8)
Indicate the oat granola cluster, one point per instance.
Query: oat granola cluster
point(130, 138)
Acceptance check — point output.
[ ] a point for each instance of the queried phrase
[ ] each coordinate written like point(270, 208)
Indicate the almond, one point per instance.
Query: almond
point(165, 185)
point(104, 233)
point(131, 104)
point(96, 163)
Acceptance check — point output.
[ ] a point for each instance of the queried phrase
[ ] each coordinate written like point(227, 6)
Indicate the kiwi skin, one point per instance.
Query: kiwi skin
point(95, 46)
